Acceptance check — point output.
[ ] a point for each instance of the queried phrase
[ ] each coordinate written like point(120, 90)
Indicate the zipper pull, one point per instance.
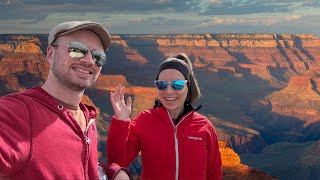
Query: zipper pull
point(86, 131)
point(88, 140)
point(91, 121)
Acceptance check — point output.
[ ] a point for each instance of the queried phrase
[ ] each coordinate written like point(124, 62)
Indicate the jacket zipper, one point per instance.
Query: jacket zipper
point(177, 152)
point(88, 142)
point(87, 129)
point(87, 139)
point(176, 142)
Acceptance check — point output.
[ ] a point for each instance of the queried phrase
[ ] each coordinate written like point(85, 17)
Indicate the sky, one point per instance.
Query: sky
point(164, 16)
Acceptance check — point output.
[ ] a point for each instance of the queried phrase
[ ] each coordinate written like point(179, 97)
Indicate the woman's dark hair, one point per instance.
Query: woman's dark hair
point(194, 91)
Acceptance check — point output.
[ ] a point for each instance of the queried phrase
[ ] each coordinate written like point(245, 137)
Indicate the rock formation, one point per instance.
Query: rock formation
point(233, 169)
point(258, 89)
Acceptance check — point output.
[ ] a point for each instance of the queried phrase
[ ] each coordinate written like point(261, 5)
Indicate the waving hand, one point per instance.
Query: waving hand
point(122, 110)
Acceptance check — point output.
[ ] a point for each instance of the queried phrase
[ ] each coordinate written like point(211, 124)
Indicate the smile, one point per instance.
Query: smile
point(170, 99)
point(82, 71)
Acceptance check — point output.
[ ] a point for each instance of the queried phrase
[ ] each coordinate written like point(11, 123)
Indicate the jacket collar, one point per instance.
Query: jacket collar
point(46, 99)
point(187, 108)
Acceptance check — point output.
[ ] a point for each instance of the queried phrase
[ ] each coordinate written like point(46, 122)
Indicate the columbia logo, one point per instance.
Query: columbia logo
point(195, 138)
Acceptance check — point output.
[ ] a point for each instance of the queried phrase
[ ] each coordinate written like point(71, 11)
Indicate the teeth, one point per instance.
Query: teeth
point(170, 99)
point(83, 71)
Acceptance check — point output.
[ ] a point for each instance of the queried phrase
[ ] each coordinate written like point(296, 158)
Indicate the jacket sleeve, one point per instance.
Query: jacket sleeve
point(15, 135)
point(214, 164)
point(123, 144)
point(113, 169)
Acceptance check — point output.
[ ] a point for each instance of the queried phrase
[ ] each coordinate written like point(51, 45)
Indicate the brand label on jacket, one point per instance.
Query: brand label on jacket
point(195, 138)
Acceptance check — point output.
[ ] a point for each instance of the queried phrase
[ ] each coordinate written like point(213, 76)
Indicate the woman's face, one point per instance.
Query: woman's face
point(172, 99)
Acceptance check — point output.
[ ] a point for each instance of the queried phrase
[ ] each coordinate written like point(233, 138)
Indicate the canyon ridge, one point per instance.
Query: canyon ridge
point(259, 90)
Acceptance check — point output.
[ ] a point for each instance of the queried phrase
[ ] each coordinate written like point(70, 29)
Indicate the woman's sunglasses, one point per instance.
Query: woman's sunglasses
point(78, 50)
point(176, 85)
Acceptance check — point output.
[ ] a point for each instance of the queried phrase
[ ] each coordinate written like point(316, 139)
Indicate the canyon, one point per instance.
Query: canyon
point(258, 89)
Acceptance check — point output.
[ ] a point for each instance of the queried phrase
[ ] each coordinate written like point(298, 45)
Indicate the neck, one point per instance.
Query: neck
point(175, 114)
point(61, 93)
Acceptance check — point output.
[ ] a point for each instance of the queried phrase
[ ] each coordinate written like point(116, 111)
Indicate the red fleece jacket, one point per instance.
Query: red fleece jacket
point(186, 151)
point(40, 139)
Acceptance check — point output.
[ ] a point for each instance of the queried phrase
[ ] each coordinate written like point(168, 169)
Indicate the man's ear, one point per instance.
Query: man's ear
point(50, 53)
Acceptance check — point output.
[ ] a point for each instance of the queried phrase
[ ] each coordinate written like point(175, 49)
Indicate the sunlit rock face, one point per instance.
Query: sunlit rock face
point(257, 89)
point(22, 62)
point(234, 169)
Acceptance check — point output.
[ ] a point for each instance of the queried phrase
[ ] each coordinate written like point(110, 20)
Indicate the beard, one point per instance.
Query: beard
point(65, 78)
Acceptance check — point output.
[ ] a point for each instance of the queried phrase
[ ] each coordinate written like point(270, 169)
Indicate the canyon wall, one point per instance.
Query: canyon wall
point(258, 89)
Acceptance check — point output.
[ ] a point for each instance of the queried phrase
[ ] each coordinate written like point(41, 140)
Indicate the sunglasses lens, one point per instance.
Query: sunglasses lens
point(178, 84)
point(99, 57)
point(75, 54)
point(77, 50)
point(161, 85)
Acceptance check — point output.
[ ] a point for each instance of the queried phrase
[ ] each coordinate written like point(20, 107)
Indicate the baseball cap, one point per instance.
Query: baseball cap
point(71, 26)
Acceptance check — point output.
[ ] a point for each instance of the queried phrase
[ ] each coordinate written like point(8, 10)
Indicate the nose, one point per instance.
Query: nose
point(88, 59)
point(169, 89)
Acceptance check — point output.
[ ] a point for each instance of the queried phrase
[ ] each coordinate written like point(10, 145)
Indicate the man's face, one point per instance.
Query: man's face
point(76, 74)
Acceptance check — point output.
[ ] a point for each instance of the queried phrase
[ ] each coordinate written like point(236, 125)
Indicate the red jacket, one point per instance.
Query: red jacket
point(187, 151)
point(40, 139)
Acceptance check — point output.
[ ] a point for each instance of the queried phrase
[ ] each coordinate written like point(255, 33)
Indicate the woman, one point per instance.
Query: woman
point(175, 141)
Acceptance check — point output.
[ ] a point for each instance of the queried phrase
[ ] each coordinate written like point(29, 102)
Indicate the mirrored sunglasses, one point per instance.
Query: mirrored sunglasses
point(176, 85)
point(78, 50)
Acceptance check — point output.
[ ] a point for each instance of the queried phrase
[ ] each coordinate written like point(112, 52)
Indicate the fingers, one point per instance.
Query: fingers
point(121, 90)
point(117, 94)
point(129, 102)
point(121, 108)
point(112, 98)
point(117, 97)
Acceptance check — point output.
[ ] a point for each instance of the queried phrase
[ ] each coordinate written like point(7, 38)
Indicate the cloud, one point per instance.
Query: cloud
point(245, 8)
point(159, 15)
point(293, 17)
point(159, 21)
point(242, 7)
point(30, 9)
point(262, 20)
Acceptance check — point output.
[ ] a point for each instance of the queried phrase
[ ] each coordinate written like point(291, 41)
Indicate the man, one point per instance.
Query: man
point(46, 132)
